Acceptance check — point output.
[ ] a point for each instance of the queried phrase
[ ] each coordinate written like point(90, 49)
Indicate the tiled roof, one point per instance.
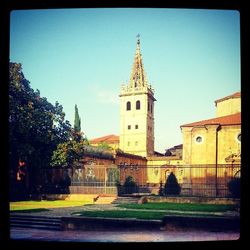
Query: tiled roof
point(235, 95)
point(234, 119)
point(107, 139)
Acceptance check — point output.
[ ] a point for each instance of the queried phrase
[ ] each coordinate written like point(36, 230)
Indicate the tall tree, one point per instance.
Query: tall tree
point(77, 135)
point(77, 121)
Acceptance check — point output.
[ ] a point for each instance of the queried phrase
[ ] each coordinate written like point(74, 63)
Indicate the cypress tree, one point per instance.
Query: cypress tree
point(172, 186)
point(77, 121)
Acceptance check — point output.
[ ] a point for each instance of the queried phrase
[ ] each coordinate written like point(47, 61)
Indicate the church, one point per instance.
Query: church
point(210, 142)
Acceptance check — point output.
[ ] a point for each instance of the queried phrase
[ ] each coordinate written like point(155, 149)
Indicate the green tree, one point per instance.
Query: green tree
point(172, 186)
point(130, 185)
point(77, 134)
point(234, 187)
point(68, 154)
point(77, 121)
point(35, 128)
point(104, 146)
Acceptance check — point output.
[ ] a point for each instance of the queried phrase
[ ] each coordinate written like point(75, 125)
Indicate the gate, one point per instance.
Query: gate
point(94, 179)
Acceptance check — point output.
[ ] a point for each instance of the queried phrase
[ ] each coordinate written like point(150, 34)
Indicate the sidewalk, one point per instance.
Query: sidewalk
point(120, 235)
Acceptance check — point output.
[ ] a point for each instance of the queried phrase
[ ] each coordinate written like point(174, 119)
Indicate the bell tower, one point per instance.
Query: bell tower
point(137, 111)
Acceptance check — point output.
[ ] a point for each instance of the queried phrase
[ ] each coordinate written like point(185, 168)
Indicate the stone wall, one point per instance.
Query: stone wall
point(201, 200)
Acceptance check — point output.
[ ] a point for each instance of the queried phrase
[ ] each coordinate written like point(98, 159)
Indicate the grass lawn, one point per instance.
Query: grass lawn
point(181, 207)
point(147, 215)
point(27, 205)
point(35, 210)
point(123, 214)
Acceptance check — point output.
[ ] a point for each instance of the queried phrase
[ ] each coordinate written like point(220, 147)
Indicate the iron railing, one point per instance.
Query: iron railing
point(194, 180)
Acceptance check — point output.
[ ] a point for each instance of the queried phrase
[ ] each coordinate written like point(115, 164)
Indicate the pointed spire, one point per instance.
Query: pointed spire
point(138, 76)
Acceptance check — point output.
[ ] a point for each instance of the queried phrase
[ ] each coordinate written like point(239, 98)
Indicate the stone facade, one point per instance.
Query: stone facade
point(228, 105)
point(156, 166)
point(213, 141)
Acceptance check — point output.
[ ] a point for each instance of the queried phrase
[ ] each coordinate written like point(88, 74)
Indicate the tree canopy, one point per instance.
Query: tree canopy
point(36, 126)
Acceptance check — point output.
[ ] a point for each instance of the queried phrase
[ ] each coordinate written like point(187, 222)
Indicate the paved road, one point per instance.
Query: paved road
point(120, 235)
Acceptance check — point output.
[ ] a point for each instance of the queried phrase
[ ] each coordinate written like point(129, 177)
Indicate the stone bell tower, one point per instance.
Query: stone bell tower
point(137, 111)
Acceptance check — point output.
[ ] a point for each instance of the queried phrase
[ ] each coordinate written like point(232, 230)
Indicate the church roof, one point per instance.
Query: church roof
point(235, 95)
point(107, 139)
point(234, 119)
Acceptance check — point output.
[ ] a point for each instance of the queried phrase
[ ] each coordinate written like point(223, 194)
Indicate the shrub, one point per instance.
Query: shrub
point(119, 187)
point(234, 187)
point(172, 186)
point(130, 185)
point(161, 189)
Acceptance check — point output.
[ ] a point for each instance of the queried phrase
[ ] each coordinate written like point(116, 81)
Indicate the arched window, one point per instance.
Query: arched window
point(138, 105)
point(128, 105)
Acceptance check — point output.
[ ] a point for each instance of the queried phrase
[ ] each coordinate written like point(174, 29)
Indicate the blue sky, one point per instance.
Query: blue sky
point(82, 56)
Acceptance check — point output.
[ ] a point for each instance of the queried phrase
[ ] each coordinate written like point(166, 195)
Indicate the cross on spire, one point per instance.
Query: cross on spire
point(138, 38)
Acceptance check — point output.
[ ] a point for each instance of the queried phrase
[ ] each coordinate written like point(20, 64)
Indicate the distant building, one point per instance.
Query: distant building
point(175, 151)
point(111, 140)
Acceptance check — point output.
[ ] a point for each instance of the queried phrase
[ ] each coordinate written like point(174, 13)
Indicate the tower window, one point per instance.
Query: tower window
point(136, 143)
point(129, 126)
point(128, 105)
point(148, 106)
point(128, 143)
point(138, 105)
point(136, 126)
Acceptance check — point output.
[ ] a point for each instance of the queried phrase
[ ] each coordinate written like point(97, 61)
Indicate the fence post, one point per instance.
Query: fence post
point(105, 179)
point(216, 183)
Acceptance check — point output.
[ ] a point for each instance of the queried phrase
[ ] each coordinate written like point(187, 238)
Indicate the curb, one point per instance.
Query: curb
point(169, 223)
point(211, 223)
point(94, 223)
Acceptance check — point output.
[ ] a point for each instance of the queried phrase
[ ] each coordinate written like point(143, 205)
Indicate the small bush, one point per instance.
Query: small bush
point(172, 186)
point(130, 185)
point(234, 187)
point(161, 189)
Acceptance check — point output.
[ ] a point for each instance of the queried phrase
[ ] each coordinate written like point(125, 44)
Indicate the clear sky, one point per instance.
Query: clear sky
point(82, 56)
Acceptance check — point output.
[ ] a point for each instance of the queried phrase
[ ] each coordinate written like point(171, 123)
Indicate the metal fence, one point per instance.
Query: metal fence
point(194, 180)
point(95, 179)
